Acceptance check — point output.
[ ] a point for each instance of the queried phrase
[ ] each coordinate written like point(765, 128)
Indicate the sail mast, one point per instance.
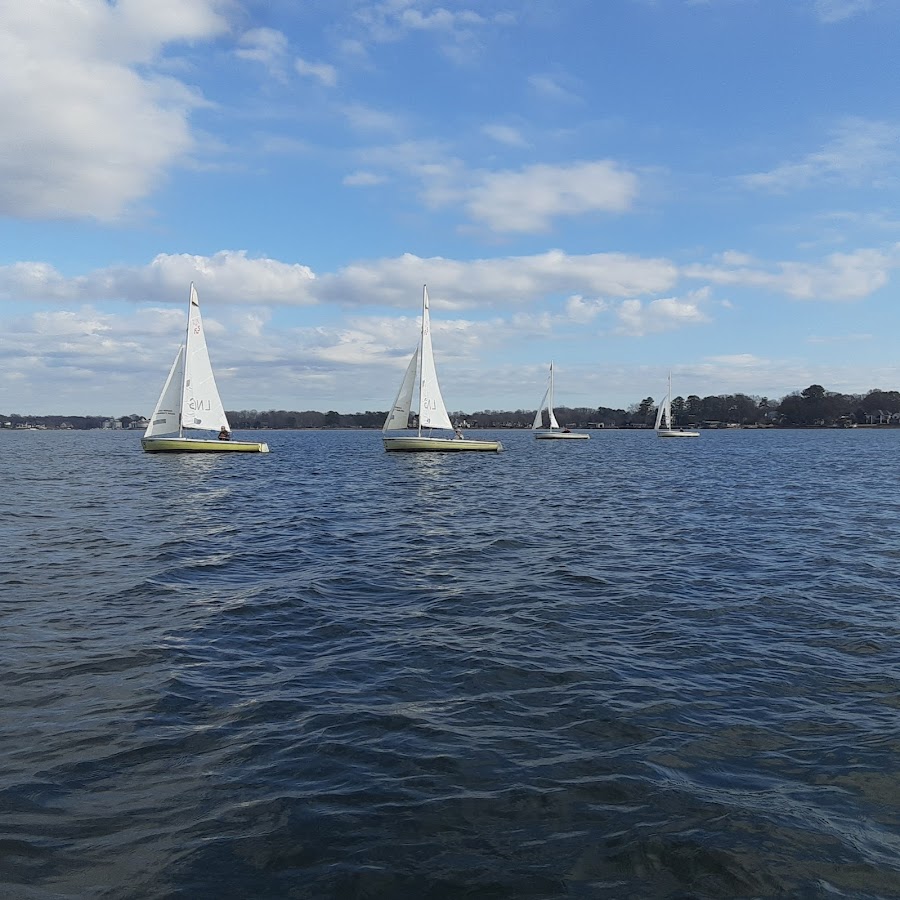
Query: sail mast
point(669, 403)
point(550, 414)
point(187, 344)
point(421, 357)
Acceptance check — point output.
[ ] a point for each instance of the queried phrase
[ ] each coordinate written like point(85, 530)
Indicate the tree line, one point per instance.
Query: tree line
point(812, 407)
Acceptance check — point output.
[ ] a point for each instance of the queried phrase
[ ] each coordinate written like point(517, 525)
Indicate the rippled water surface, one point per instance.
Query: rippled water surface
point(616, 668)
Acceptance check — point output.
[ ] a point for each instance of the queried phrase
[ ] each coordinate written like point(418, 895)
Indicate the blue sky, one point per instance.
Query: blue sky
point(623, 187)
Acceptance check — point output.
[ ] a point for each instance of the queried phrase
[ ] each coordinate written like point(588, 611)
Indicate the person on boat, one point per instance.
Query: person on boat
point(459, 434)
point(224, 434)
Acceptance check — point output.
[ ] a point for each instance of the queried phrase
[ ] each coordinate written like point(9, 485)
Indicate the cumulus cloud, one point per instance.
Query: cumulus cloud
point(234, 278)
point(119, 326)
point(525, 200)
point(90, 125)
point(228, 277)
point(504, 281)
point(638, 318)
point(840, 276)
point(528, 200)
point(580, 310)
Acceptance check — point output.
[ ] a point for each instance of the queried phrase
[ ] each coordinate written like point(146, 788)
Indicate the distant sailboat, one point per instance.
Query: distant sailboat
point(432, 413)
point(553, 432)
point(190, 401)
point(663, 424)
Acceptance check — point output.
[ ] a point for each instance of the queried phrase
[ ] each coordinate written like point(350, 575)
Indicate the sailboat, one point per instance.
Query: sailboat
point(431, 411)
point(663, 424)
point(190, 401)
point(554, 432)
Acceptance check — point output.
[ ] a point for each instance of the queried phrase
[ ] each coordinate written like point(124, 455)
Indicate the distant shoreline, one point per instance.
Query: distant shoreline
point(730, 427)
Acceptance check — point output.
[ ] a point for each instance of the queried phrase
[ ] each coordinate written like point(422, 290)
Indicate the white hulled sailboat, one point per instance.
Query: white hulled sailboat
point(663, 424)
point(553, 431)
point(190, 401)
point(431, 411)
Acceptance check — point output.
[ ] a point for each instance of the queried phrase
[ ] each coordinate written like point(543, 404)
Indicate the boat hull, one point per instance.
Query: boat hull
point(666, 433)
point(561, 436)
point(200, 445)
point(415, 444)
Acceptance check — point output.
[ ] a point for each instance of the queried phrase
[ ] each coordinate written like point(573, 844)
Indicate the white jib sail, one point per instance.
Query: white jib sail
point(664, 413)
point(660, 413)
point(398, 417)
point(201, 406)
point(539, 415)
point(546, 403)
point(165, 418)
point(432, 412)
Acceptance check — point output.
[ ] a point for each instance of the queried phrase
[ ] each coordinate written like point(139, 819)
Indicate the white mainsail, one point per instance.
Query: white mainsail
point(546, 403)
point(166, 418)
point(432, 412)
point(201, 406)
point(398, 417)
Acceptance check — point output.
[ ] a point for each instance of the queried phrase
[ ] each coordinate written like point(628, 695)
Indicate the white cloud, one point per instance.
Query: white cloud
point(505, 134)
point(830, 11)
point(365, 118)
point(363, 179)
point(527, 201)
point(557, 88)
point(638, 318)
point(89, 126)
point(580, 310)
point(324, 73)
point(228, 277)
point(504, 281)
point(861, 152)
point(393, 20)
point(232, 277)
point(738, 360)
point(266, 46)
point(840, 276)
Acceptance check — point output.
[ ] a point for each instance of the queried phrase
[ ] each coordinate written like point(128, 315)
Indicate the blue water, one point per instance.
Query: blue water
point(616, 668)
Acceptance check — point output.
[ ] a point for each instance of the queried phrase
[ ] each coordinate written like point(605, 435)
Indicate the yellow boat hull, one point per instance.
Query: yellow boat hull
point(414, 444)
point(200, 445)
